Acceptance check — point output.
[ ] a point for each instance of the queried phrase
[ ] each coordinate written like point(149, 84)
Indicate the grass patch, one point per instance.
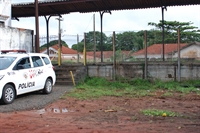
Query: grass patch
point(167, 94)
point(96, 87)
point(155, 112)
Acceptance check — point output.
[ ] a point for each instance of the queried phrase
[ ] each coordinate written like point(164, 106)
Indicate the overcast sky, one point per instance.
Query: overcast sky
point(119, 21)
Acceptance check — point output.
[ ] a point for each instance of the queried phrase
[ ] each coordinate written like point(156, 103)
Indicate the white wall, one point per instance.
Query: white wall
point(165, 71)
point(5, 10)
point(15, 38)
point(192, 51)
point(153, 56)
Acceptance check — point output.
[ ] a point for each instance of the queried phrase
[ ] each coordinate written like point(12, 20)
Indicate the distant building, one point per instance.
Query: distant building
point(170, 51)
point(190, 51)
point(67, 53)
point(107, 55)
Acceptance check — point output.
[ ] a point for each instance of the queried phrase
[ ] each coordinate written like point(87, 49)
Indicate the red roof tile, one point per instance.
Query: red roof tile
point(157, 49)
point(65, 50)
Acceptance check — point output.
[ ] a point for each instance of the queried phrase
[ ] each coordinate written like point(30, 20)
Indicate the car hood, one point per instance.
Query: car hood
point(6, 72)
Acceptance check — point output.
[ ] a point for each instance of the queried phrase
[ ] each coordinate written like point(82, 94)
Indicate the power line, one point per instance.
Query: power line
point(89, 23)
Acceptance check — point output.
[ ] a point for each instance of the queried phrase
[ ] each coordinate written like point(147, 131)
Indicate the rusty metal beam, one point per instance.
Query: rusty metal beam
point(37, 42)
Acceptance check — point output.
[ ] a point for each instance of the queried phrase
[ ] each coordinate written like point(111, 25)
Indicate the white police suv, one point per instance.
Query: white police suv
point(22, 72)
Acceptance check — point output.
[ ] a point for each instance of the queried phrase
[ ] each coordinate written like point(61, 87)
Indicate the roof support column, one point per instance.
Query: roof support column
point(101, 46)
point(47, 24)
point(37, 42)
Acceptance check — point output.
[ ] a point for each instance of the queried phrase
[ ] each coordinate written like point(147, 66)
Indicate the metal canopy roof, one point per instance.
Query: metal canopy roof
point(59, 7)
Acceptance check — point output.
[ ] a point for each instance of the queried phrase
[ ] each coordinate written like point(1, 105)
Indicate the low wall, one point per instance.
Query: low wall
point(164, 71)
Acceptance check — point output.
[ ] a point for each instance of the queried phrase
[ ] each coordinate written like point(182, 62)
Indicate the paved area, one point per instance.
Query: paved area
point(35, 100)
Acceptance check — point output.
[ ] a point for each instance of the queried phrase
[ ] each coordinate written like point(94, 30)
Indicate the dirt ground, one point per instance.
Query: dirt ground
point(108, 115)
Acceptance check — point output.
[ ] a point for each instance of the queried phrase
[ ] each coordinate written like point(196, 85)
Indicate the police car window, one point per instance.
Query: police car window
point(37, 61)
point(24, 63)
point(5, 62)
point(46, 60)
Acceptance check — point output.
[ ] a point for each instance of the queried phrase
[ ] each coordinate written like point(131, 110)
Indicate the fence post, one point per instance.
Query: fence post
point(179, 64)
point(114, 57)
point(77, 49)
point(145, 46)
point(94, 38)
point(84, 50)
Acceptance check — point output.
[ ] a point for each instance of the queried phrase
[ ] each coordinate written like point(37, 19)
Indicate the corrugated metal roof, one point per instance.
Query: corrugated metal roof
point(55, 7)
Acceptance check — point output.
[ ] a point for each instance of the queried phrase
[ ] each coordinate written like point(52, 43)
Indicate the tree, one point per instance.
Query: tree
point(134, 41)
point(129, 41)
point(124, 41)
point(90, 42)
point(188, 33)
point(78, 46)
point(51, 43)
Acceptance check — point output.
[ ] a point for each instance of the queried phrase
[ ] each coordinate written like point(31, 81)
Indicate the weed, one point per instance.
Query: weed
point(155, 112)
point(167, 94)
point(96, 87)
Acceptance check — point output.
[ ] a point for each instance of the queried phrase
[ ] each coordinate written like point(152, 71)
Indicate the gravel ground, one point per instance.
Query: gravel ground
point(35, 100)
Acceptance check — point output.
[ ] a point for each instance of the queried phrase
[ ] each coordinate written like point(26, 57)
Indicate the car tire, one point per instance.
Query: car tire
point(48, 87)
point(8, 94)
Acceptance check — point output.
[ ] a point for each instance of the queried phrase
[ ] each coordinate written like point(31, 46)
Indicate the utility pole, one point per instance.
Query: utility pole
point(59, 41)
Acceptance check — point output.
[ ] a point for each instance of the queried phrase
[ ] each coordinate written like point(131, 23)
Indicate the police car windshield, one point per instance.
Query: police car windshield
point(6, 61)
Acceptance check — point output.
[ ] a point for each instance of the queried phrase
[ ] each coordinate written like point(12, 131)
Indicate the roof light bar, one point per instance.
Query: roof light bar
point(12, 51)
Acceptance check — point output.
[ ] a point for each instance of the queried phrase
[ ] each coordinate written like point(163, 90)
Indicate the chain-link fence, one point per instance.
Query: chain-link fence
point(68, 39)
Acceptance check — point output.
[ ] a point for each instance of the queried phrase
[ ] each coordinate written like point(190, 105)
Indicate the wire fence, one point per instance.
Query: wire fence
point(69, 39)
point(130, 45)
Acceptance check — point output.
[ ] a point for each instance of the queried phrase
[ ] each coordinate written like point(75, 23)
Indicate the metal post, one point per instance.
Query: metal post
point(84, 50)
point(114, 57)
point(47, 26)
point(94, 39)
point(37, 44)
point(145, 46)
point(179, 64)
point(77, 49)
point(101, 16)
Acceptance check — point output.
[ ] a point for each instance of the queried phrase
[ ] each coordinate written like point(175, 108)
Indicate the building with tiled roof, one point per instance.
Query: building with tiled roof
point(67, 53)
point(154, 51)
point(107, 55)
point(192, 51)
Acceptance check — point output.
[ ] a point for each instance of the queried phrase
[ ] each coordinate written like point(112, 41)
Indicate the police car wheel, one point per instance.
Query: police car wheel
point(48, 86)
point(8, 94)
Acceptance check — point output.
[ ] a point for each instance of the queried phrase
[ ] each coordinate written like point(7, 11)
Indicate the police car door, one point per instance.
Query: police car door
point(24, 80)
point(38, 72)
